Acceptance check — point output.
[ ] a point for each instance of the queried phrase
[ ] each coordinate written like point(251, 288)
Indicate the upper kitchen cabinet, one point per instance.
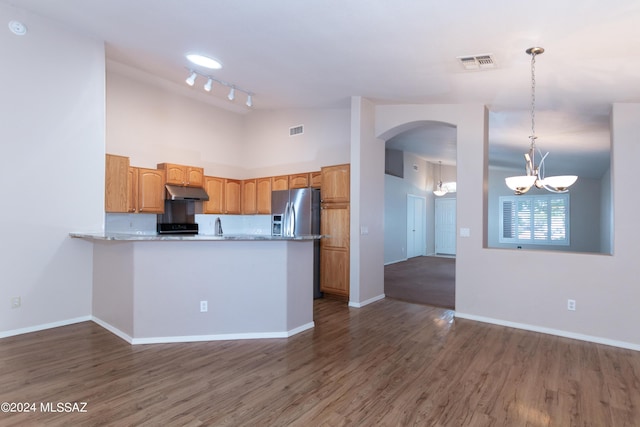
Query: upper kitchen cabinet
point(335, 186)
point(188, 176)
point(132, 190)
point(115, 189)
point(280, 183)
point(232, 196)
point(224, 196)
point(315, 179)
point(263, 196)
point(249, 197)
point(299, 180)
point(151, 190)
point(214, 187)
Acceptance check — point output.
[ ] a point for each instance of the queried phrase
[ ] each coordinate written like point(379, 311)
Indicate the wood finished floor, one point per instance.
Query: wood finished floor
point(391, 363)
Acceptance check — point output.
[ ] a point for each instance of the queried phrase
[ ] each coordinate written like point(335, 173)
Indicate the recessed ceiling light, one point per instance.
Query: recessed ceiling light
point(204, 61)
point(17, 28)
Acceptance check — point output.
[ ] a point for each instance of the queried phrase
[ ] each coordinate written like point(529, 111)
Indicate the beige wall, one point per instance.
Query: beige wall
point(52, 164)
point(151, 124)
point(529, 289)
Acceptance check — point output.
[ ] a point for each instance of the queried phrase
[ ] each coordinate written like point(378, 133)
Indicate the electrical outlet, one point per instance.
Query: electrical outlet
point(204, 306)
point(16, 302)
point(571, 305)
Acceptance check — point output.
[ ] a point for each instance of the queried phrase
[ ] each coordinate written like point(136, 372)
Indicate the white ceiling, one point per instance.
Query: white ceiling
point(319, 53)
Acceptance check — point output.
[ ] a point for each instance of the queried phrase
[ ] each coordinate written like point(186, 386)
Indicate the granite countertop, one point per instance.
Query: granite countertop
point(189, 237)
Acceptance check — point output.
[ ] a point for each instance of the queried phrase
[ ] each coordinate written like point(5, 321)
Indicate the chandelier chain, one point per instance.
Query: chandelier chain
point(533, 98)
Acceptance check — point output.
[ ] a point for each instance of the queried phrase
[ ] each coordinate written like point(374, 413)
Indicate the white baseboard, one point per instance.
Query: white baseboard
point(199, 338)
point(396, 261)
point(112, 329)
point(549, 331)
point(366, 302)
point(44, 326)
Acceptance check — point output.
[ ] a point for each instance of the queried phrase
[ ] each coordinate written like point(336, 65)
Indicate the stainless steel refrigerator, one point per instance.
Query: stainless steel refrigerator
point(297, 213)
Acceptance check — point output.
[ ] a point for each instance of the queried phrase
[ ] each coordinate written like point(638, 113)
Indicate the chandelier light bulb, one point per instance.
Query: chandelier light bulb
point(249, 101)
point(232, 94)
point(208, 85)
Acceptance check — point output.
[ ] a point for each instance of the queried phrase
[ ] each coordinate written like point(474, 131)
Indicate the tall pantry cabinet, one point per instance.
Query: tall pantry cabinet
point(334, 223)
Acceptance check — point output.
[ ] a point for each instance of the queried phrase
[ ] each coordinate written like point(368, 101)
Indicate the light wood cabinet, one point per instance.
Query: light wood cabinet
point(224, 196)
point(249, 197)
point(335, 187)
point(280, 183)
point(188, 176)
point(334, 249)
point(132, 190)
point(214, 187)
point(315, 179)
point(150, 190)
point(299, 180)
point(232, 196)
point(263, 196)
point(115, 189)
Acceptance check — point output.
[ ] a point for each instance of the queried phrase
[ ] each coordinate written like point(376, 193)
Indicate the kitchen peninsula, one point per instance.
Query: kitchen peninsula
point(158, 288)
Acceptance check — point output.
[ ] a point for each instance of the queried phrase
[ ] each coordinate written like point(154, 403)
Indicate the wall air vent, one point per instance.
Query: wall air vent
point(477, 62)
point(296, 130)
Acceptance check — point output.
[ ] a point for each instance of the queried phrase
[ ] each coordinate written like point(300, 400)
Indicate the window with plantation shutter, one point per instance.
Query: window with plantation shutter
point(535, 220)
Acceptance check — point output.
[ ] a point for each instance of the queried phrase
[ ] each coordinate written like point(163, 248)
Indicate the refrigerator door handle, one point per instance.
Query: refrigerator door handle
point(285, 220)
point(292, 220)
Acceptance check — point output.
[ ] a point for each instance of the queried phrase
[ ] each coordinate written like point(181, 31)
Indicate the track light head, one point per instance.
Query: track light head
point(249, 100)
point(208, 85)
point(232, 93)
point(191, 79)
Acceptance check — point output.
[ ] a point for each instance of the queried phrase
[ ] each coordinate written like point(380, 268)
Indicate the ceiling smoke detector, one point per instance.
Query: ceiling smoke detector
point(477, 62)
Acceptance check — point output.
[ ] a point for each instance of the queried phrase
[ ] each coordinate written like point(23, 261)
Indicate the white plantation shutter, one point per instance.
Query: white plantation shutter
point(538, 220)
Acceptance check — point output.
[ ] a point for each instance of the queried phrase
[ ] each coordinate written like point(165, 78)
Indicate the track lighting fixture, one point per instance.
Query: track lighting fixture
point(209, 85)
point(191, 79)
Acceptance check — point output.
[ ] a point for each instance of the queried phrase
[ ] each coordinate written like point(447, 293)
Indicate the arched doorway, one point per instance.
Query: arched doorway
point(412, 170)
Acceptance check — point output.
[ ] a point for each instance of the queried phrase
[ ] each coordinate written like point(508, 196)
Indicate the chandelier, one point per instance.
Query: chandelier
point(535, 172)
point(440, 189)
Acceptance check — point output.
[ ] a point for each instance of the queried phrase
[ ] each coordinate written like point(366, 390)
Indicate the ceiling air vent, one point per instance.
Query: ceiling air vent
point(477, 62)
point(296, 130)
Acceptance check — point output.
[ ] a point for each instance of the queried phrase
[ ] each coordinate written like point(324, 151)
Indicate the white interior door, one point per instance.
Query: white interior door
point(416, 226)
point(445, 226)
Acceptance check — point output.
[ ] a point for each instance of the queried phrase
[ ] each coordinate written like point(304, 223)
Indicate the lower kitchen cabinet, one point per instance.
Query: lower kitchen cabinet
point(334, 249)
point(334, 271)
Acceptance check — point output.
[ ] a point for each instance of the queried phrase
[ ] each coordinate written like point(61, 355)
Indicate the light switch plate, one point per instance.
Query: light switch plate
point(465, 232)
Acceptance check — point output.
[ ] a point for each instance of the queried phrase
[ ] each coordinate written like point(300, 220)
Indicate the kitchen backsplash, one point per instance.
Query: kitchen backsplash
point(235, 224)
point(231, 224)
point(130, 223)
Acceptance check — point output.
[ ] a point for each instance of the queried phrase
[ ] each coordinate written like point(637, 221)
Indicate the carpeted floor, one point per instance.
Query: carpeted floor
point(424, 279)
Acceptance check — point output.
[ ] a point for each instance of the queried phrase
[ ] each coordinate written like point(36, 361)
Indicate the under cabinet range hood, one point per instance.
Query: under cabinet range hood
point(176, 192)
